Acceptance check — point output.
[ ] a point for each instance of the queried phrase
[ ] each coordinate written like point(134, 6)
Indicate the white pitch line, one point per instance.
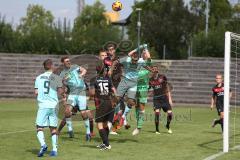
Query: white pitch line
point(212, 157)
point(5, 133)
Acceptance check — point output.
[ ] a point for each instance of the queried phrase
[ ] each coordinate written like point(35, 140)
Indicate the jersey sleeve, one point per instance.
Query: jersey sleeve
point(36, 84)
point(125, 59)
point(213, 93)
point(59, 81)
point(93, 83)
point(150, 84)
point(110, 83)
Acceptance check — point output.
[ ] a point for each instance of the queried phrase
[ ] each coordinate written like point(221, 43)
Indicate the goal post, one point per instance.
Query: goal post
point(231, 129)
point(227, 61)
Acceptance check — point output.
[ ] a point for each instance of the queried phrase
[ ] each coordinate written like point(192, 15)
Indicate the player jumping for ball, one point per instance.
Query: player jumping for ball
point(217, 98)
point(162, 98)
point(128, 85)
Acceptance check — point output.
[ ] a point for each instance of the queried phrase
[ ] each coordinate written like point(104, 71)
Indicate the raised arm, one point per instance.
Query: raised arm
point(83, 72)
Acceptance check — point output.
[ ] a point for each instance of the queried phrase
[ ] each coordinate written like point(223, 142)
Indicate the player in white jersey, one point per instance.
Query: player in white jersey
point(47, 88)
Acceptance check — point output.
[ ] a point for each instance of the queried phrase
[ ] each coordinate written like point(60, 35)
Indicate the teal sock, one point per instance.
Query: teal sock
point(41, 139)
point(127, 110)
point(69, 124)
point(87, 126)
point(54, 142)
point(117, 108)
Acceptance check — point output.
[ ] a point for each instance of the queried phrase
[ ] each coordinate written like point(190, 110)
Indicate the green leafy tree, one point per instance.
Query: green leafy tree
point(91, 30)
point(220, 20)
point(164, 23)
point(7, 37)
point(37, 30)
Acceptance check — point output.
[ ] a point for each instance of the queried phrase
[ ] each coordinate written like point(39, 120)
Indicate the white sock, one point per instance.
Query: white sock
point(54, 142)
point(69, 124)
point(125, 122)
point(41, 139)
point(87, 126)
point(109, 126)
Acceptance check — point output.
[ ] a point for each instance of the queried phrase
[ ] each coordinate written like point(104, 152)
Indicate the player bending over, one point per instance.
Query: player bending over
point(102, 89)
point(47, 88)
point(72, 76)
point(217, 98)
point(162, 98)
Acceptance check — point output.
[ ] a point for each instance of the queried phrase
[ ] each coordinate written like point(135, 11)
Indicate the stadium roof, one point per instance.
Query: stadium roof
point(123, 22)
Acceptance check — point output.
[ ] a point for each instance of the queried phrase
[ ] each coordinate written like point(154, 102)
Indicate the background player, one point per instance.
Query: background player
point(162, 98)
point(115, 73)
point(72, 76)
point(102, 89)
point(217, 98)
point(47, 88)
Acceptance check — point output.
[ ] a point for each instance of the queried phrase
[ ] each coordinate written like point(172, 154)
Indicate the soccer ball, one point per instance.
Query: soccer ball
point(117, 6)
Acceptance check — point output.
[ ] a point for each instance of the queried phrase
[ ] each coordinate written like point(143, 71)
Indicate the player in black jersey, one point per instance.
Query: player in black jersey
point(218, 99)
point(103, 91)
point(162, 98)
point(115, 73)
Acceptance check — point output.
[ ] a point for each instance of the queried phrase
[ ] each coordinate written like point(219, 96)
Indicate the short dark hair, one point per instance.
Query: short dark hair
point(102, 50)
point(111, 45)
point(47, 64)
point(63, 58)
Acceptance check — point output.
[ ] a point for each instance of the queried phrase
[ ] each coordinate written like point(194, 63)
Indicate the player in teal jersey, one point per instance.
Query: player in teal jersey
point(72, 76)
point(142, 92)
point(47, 88)
point(128, 85)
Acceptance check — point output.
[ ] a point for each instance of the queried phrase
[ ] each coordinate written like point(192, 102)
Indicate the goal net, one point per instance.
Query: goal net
point(231, 131)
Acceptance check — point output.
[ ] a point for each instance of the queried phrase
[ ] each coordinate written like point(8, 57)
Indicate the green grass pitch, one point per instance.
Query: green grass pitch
point(192, 138)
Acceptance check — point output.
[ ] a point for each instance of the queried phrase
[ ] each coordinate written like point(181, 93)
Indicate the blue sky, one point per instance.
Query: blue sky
point(15, 9)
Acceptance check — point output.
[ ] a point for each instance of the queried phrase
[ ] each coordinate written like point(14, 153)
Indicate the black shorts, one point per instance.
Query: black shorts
point(219, 108)
point(104, 112)
point(161, 104)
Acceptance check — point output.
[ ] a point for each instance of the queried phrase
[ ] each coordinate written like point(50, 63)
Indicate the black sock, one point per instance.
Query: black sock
point(104, 136)
point(107, 131)
point(221, 122)
point(157, 115)
point(91, 125)
point(217, 121)
point(169, 119)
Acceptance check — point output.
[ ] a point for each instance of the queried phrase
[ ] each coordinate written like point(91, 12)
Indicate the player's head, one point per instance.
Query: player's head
point(219, 78)
point(66, 61)
point(162, 78)
point(48, 64)
point(144, 53)
point(154, 69)
point(111, 49)
point(135, 57)
point(102, 54)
